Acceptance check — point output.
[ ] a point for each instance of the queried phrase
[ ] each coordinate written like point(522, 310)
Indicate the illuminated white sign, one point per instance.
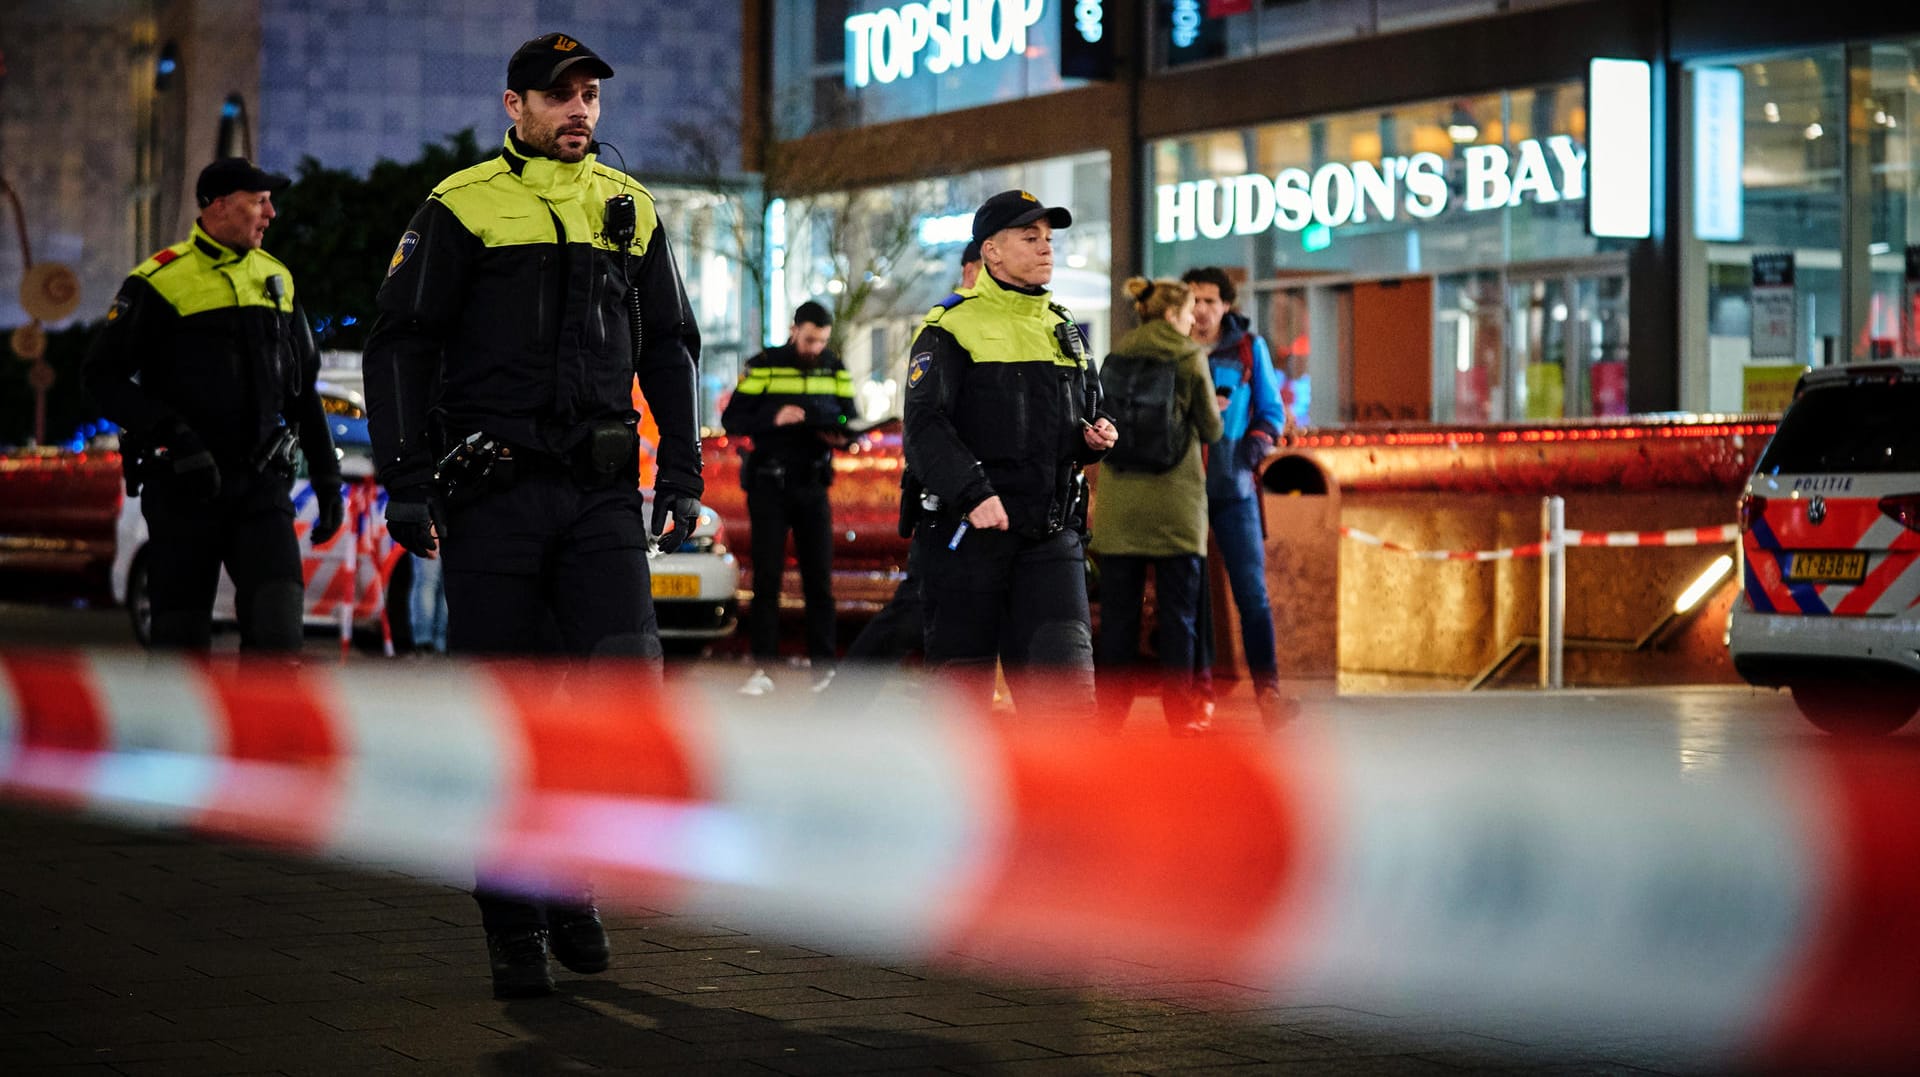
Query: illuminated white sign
point(1336, 194)
point(936, 36)
point(1620, 130)
point(1719, 154)
point(942, 230)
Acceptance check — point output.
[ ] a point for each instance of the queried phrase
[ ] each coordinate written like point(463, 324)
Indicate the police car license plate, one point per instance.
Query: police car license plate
point(676, 586)
point(1828, 567)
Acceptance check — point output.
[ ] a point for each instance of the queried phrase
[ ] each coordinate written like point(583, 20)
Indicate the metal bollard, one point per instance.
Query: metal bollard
point(1553, 592)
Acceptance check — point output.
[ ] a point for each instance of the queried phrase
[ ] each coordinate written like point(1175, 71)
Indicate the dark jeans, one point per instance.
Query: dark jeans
point(540, 568)
point(1236, 528)
point(249, 529)
point(1176, 603)
point(772, 510)
point(1020, 600)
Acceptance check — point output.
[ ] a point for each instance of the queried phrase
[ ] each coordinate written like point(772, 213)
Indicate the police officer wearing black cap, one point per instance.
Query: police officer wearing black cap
point(522, 300)
point(1001, 416)
point(208, 364)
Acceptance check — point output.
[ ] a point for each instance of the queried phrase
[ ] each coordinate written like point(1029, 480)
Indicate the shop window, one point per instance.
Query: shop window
point(1788, 148)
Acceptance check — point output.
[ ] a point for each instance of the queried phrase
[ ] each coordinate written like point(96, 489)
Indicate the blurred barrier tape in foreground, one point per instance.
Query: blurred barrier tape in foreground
point(1687, 536)
point(1769, 907)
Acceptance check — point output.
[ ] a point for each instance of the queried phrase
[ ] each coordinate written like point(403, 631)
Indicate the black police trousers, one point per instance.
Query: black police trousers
point(249, 529)
point(774, 508)
point(1019, 599)
point(547, 567)
point(899, 630)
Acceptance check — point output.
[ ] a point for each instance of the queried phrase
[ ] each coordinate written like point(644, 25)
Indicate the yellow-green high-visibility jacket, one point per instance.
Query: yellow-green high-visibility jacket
point(506, 310)
point(995, 405)
point(211, 338)
point(776, 378)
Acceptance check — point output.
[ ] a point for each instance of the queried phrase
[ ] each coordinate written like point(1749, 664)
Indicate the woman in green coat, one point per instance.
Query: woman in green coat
point(1145, 518)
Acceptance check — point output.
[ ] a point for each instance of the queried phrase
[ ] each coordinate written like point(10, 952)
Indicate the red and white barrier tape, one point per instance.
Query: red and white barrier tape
point(1686, 536)
point(1771, 912)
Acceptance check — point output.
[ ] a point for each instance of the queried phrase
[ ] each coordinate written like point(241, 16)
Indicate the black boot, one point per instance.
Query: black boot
point(519, 960)
point(579, 940)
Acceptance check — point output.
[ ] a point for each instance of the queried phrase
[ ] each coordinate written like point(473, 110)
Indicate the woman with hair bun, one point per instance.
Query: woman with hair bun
point(1148, 518)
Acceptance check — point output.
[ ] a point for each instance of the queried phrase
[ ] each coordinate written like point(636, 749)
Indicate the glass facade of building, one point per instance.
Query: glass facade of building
point(1423, 262)
point(1800, 160)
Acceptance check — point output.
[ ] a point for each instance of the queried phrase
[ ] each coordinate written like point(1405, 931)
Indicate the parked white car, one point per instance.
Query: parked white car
point(695, 587)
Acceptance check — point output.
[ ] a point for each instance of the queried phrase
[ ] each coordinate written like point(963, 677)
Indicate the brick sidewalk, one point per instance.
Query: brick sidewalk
point(144, 953)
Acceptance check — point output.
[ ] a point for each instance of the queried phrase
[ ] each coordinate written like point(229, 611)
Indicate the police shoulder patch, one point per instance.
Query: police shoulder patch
point(917, 368)
point(120, 305)
point(407, 243)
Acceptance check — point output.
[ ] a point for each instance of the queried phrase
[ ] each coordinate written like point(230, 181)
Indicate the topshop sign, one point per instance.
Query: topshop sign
point(938, 36)
point(1346, 193)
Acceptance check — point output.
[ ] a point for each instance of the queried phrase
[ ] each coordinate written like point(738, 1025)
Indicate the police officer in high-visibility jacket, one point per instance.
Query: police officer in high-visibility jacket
point(208, 365)
point(1001, 416)
point(522, 300)
point(795, 402)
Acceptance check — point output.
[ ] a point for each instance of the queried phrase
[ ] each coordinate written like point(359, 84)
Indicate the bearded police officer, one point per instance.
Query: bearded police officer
point(208, 365)
point(522, 300)
point(1000, 419)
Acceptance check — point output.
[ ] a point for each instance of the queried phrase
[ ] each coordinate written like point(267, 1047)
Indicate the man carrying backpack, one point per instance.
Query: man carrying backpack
point(1152, 507)
point(1253, 415)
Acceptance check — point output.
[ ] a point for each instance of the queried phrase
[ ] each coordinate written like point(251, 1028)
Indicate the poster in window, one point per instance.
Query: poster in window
point(1773, 330)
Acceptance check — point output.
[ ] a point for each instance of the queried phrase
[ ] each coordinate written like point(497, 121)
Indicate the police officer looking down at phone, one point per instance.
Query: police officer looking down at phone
point(795, 402)
point(1002, 413)
point(522, 300)
point(208, 365)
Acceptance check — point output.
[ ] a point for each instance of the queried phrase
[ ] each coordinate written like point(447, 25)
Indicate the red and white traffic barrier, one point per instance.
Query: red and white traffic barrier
point(1769, 911)
point(1685, 536)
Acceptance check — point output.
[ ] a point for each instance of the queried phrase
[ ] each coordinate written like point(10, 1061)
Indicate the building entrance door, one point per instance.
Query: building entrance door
point(1568, 336)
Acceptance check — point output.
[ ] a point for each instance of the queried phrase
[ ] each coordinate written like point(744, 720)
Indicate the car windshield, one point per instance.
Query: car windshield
point(1860, 428)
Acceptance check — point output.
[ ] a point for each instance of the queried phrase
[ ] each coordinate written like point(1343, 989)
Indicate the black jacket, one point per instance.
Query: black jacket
point(776, 378)
point(204, 336)
point(996, 406)
point(505, 310)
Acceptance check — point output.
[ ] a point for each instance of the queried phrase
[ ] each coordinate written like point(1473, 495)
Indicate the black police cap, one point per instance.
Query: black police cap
point(971, 254)
point(539, 63)
point(230, 174)
point(1015, 209)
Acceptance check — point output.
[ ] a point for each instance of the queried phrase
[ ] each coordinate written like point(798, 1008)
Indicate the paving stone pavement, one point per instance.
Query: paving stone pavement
point(147, 954)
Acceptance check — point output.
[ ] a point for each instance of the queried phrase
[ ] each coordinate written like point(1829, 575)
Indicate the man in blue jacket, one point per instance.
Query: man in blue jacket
point(1253, 415)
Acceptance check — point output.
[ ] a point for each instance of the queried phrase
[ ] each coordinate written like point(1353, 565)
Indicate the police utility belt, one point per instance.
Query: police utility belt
point(141, 461)
point(481, 463)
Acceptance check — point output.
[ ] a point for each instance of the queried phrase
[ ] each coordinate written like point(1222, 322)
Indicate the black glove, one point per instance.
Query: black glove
point(195, 475)
point(413, 521)
point(1254, 448)
point(685, 510)
point(333, 509)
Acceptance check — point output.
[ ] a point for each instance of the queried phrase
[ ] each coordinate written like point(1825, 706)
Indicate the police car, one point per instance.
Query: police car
point(1830, 546)
point(362, 572)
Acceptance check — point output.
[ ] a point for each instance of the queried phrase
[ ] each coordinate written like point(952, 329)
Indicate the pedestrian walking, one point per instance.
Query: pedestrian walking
point(208, 365)
point(1001, 416)
point(522, 300)
point(1253, 417)
point(795, 402)
point(1151, 503)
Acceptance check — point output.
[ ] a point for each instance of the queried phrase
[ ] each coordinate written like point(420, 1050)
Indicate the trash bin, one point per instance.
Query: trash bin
point(1300, 508)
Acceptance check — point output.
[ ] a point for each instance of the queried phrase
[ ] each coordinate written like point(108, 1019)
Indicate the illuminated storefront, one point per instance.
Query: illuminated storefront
point(1433, 261)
